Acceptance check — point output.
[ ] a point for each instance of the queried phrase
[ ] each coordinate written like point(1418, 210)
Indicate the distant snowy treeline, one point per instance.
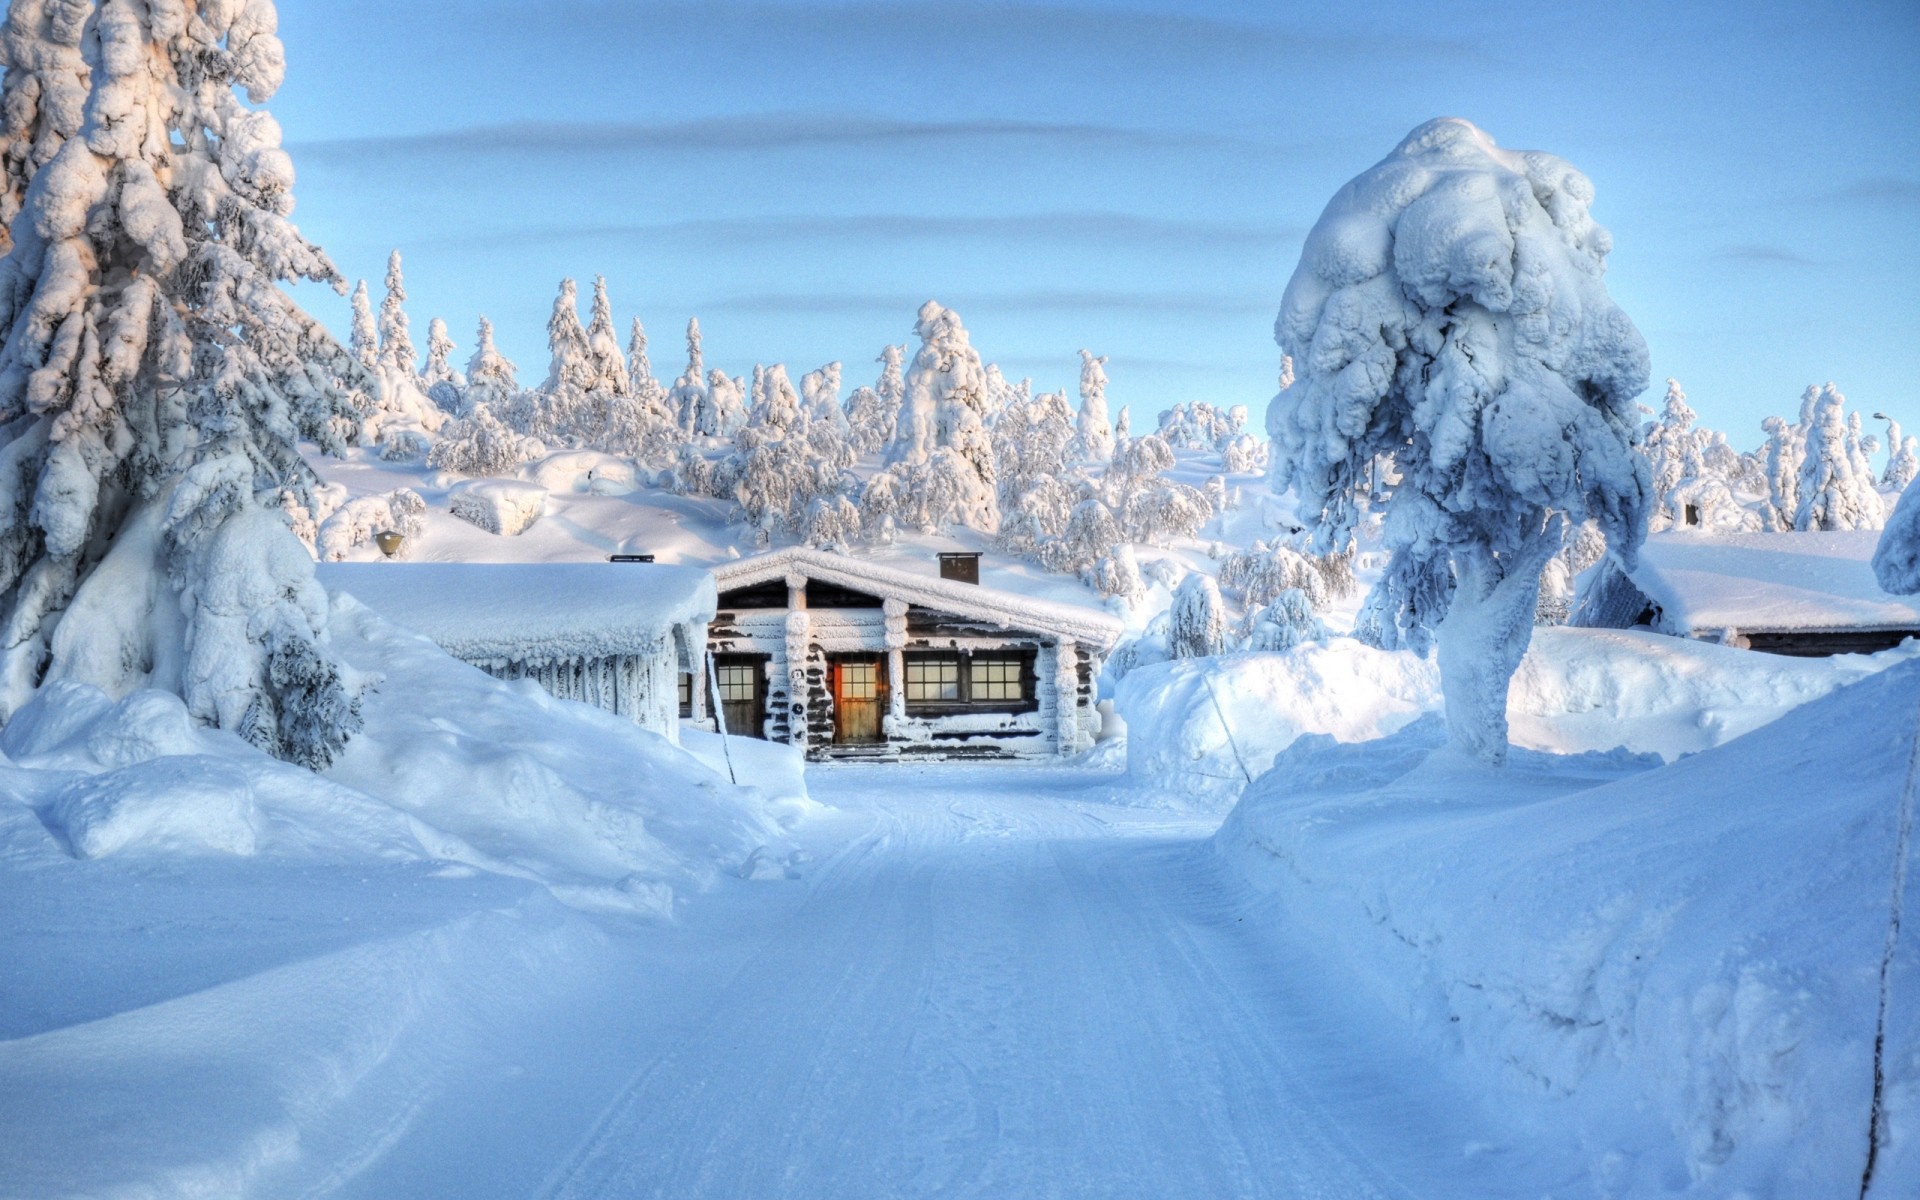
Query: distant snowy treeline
point(940, 438)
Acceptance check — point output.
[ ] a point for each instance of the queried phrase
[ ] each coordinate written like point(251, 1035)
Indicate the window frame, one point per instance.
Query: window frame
point(1023, 659)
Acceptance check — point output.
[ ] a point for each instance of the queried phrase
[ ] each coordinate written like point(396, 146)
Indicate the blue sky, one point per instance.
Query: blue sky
point(1133, 178)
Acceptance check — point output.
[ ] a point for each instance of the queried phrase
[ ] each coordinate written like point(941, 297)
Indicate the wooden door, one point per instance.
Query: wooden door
point(859, 699)
point(743, 693)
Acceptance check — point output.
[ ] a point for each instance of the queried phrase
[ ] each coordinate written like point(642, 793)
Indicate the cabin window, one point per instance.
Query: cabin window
point(933, 679)
point(738, 682)
point(996, 678)
point(948, 684)
point(686, 694)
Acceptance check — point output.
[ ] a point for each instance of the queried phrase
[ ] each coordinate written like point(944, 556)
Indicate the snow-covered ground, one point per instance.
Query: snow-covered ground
point(986, 982)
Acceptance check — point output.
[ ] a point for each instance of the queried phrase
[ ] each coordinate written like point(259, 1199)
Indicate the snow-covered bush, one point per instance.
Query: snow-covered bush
point(1117, 574)
point(357, 522)
point(155, 382)
point(404, 445)
point(1263, 574)
point(481, 444)
point(1449, 315)
point(1197, 622)
point(1287, 622)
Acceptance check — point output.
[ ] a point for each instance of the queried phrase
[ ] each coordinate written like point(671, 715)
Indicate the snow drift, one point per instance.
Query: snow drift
point(1201, 729)
point(454, 765)
point(1683, 964)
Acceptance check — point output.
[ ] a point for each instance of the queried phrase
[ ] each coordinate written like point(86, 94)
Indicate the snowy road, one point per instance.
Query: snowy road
point(992, 982)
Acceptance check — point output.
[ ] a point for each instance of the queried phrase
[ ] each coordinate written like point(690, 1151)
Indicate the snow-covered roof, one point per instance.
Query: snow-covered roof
point(1009, 610)
point(532, 612)
point(1769, 582)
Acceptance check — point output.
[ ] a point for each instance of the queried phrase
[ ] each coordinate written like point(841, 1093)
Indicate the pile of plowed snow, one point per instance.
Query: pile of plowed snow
point(1683, 962)
point(1198, 730)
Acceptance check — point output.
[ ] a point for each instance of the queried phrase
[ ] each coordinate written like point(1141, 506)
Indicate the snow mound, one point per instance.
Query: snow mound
point(501, 506)
point(585, 471)
point(1680, 963)
point(453, 766)
point(184, 804)
point(1200, 729)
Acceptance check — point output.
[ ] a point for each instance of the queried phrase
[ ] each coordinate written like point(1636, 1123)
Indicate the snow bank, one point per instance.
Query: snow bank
point(1199, 729)
point(585, 471)
point(499, 506)
point(1681, 963)
point(453, 766)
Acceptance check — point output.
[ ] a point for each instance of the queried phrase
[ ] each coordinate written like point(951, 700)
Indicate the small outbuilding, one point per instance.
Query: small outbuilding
point(614, 635)
point(1806, 594)
point(850, 659)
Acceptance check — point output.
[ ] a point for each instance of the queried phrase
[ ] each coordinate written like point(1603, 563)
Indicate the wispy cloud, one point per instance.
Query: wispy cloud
point(1883, 189)
point(1038, 301)
point(1107, 228)
point(755, 132)
point(1764, 255)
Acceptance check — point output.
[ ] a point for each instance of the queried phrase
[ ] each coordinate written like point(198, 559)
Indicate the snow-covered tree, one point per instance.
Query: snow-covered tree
point(1903, 466)
point(439, 367)
point(1122, 428)
point(721, 407)
point(1668, 444)
point(1197, 622)
point(607, 366)
point(491, 378)
point(689, 395)
point(1783, 452)
point(831, 522)
point(820, 391)
point(1287, 622)
point(640, 381)
point(1091, 534)
point(481, 444)
point(397, 355)
point(570, 365)
point(943, 411)
point(1836, 487)
point(43, 94)
point(1449, 314)
point(1896, 560)
point(155, 382)
point(1094, 437)
point(364, 336)
point(873, 412)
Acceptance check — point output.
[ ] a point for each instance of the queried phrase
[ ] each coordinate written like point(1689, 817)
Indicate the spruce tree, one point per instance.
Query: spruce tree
point(155, 382)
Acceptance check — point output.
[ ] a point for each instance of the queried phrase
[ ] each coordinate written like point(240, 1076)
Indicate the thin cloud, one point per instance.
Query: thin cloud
point(1192, 304)
point(1884, 189)
point(756, 132)
point(1106, 228)
point(1764, 255)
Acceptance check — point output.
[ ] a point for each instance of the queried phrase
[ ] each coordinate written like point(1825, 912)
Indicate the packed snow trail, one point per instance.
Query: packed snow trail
point(1001, 986)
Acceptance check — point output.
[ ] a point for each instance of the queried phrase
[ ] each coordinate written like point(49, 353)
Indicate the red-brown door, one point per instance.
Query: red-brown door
point(859, 699)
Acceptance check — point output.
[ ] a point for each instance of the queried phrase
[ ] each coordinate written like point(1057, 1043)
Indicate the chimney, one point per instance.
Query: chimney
point(961, 568)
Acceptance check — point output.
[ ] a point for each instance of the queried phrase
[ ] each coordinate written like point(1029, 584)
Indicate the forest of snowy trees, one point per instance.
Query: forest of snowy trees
point(940, 439)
